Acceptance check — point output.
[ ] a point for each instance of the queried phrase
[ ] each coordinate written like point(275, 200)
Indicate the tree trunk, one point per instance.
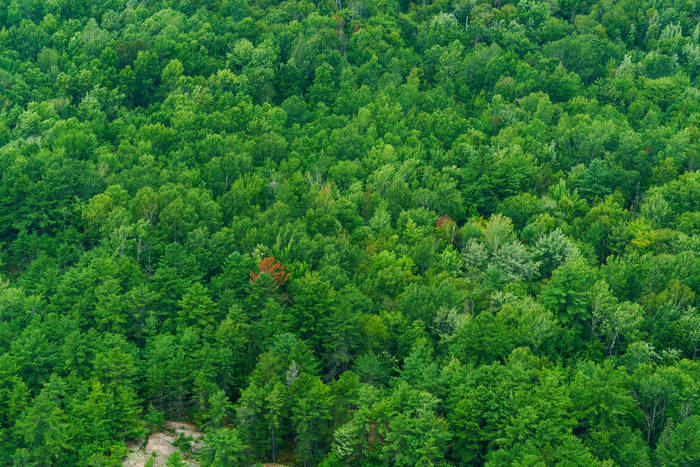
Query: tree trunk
point(274, 447)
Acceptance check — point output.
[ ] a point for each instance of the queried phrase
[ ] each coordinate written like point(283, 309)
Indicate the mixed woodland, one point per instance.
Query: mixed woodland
point(351, 232)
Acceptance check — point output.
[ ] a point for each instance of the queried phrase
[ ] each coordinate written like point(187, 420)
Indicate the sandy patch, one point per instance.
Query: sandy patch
point(161, 443)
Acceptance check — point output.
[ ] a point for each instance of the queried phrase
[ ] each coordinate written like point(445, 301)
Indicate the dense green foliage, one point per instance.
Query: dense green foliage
point(484, 218)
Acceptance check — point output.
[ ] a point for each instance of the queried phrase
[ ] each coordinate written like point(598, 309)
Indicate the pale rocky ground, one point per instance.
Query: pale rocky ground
point(161, 443)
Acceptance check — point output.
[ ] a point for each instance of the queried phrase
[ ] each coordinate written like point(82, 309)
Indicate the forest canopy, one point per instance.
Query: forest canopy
point(351, 232)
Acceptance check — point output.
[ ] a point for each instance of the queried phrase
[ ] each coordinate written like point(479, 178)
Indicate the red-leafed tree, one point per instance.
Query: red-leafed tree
point(447, 228)
point(272, 267)
point(444, 219)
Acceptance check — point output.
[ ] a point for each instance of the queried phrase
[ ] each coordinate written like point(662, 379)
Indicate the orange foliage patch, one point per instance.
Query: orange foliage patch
point(272, 267)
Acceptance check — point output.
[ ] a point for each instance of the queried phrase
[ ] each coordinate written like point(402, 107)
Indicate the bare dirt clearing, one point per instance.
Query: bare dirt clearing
point(161, 443)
